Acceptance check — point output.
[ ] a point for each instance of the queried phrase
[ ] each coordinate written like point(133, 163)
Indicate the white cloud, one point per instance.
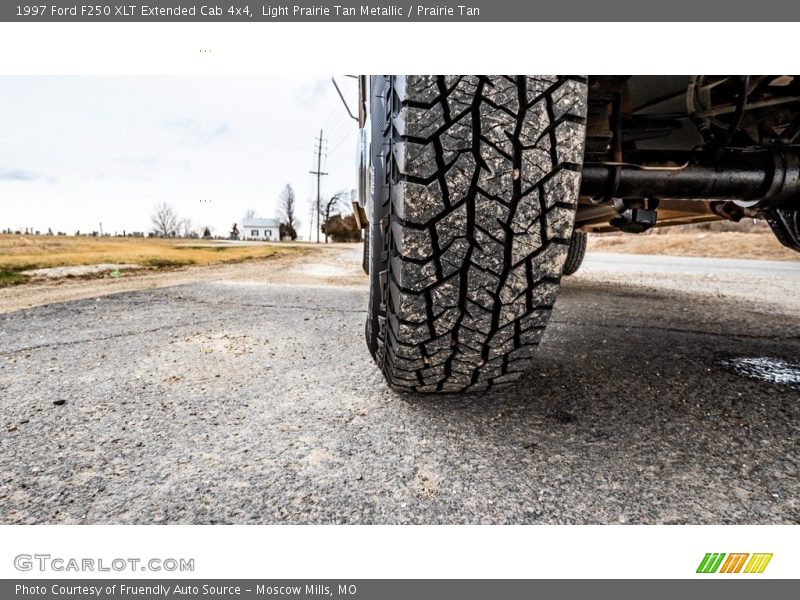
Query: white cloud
point(23, 175)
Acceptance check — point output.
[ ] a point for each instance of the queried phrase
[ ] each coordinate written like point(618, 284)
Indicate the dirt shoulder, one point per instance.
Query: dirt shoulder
point(332, 264)
point(709, 244)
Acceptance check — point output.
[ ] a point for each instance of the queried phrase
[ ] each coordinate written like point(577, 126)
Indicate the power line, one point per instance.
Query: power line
point(339, 127)
point(319, 175)
point(332, 114)
point(348, 135)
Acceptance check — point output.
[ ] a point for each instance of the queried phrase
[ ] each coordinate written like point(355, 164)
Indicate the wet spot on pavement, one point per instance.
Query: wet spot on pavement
point(765, 368)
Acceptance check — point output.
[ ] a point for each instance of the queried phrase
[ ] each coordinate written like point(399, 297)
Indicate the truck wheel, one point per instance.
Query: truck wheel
point(475, 185)
point(365, 255)
point(576, 252)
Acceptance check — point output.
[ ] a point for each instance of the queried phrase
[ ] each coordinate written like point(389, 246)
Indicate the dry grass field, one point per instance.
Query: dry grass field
point(20, 253)
point(717, 244)
point(24, 252)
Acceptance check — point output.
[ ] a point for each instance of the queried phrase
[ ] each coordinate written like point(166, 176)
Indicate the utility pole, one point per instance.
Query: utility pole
point(319, 175)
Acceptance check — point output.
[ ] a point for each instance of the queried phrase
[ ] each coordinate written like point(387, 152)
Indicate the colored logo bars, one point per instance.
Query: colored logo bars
point(734, 562)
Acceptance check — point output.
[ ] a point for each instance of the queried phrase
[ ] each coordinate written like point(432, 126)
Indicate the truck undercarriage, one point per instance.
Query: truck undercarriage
point(670, 150)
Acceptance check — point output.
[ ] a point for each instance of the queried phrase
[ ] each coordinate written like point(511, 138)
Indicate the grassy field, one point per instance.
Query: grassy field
point(719, 244)
point(23, 252)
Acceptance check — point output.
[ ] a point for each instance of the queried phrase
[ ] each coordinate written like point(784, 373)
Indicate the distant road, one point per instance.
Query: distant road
point(641, 263)
point(770, 282)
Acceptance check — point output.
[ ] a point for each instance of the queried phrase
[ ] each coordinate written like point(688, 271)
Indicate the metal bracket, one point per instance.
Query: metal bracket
point(785, 224)
point(341, 96)
point(635, 216)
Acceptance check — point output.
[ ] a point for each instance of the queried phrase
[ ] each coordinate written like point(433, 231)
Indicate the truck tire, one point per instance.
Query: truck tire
point(475, 185)
point(365, 255)
point(576, 253)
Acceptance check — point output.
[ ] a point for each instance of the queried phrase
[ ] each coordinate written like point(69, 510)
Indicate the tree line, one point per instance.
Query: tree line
point(336, 223)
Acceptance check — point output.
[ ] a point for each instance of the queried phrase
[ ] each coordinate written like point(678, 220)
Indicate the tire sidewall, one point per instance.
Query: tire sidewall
point(378, 209)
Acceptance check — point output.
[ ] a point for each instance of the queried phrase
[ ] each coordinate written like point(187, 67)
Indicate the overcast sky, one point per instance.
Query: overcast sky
point(78, 151)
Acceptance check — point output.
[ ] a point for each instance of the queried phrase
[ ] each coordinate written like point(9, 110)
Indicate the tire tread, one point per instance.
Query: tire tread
point(482, 183)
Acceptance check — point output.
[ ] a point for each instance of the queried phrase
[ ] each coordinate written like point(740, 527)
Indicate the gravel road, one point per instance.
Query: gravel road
point(665, 392)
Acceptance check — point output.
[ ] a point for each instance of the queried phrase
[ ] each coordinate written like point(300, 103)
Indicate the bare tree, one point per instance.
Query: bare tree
point(333, 204)
point(287, 211)
point(186, 227)
point(250, 214)
point(164, 220)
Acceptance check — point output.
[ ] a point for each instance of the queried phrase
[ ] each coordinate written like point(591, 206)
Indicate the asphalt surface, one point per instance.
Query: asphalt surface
point(680, 265)
point(243, 402)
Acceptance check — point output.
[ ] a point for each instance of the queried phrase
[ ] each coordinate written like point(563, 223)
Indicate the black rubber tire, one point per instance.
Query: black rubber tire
point(365, 255)
point(475, 183)
point(576, 252)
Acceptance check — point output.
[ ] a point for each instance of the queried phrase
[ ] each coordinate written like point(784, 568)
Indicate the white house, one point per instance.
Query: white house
point(261, 229)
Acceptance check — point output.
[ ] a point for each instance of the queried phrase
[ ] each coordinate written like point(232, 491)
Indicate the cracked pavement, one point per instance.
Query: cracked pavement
point(238, 401)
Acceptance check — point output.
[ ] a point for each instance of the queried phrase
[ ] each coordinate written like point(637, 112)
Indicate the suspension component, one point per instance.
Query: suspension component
point(757, 179)
point(785, 223)
point(635, 216)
